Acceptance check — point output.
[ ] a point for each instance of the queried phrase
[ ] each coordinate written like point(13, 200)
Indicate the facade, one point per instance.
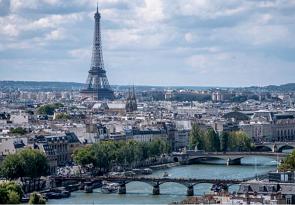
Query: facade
point(259, 132)
point(97, 85)
point(267, 126)
point(57, 148)
point(146, 135)
point(181, 139)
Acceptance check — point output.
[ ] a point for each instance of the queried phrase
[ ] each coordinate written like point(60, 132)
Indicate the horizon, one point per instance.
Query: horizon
point(150, 43)
point(143, 85)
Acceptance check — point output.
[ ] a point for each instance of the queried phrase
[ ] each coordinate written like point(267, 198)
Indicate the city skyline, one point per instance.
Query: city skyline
point(198, 43)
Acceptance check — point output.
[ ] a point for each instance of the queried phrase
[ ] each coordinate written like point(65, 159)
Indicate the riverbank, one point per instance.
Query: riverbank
point(164, 166)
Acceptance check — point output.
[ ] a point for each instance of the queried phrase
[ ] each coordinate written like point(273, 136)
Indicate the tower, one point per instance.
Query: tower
point(131, 104)
point(97, 84)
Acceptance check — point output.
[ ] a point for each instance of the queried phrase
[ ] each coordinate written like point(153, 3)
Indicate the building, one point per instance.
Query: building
point(181, 139)
point(269, 126)
point(97, 85)
point(57, 147)
point(147, 135)
point(267, 192)
point(131, 104)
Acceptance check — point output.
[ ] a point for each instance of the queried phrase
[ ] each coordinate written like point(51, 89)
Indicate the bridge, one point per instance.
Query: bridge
point(155, 182)
point(275, 146)
point(231, 158)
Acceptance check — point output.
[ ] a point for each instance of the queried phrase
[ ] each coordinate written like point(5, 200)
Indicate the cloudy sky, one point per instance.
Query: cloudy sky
point(151, 42)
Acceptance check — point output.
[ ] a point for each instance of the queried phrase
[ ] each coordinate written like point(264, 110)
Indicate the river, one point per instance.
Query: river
point(141, 193)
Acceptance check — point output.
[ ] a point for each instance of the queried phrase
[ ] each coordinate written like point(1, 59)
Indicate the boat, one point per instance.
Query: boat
point(25, 199)
point(129, 173)
point(165, 174)
point(147, 171)
point(108, 188)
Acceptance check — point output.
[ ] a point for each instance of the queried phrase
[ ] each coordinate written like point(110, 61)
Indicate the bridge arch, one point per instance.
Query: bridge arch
point(284, 147)
point(175, 159)
point(152, 184)
point(264, 148)
point(166, 187)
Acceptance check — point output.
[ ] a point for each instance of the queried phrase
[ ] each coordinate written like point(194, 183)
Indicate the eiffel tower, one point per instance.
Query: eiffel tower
point(97, 84)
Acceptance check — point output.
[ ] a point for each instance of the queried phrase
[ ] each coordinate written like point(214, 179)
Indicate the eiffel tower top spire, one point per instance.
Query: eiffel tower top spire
point(97, 58)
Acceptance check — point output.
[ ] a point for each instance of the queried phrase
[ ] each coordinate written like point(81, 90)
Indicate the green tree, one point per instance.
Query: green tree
point(12, 167)
point(36, 198)
point(10, 193)
point(49, 108)
point(197, 138)
point(26, 163)
point(288, 163)
point(18, 130)
point(239, 141)
point(35, 163)
point(13, 197)
point(224, 141)
point(212, 142)
point(3, 196)
point(62, 116)
point(83, 156)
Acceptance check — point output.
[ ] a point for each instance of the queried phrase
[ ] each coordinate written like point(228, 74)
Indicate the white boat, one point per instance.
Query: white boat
point(108, 188)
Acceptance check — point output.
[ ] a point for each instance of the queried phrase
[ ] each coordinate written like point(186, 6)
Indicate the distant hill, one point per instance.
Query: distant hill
point(59, 86)
point(289, 87)
point(285, 87)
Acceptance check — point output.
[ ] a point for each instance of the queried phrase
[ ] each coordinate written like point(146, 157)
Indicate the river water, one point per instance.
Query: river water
point(141, 193)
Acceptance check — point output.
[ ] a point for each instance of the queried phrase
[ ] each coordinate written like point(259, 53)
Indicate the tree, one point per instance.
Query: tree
point(239, 141)
point(10, 193)
point(107, 154)
point(18, 130)
point(62, 116)
point(196, 138)
point(36, 198)
point(288, 163)
point(49, 108)
point(12, 167)
point(26, 163)
point(224, 141)
point(13, 198)
point(83, 156)
point(35, 163)
point(212, 142)
point(3, 196)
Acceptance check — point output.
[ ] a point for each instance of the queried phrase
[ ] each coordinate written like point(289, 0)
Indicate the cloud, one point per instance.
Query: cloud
point(197, 42)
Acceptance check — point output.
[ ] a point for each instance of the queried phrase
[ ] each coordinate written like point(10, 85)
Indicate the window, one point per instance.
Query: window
point(288, 200)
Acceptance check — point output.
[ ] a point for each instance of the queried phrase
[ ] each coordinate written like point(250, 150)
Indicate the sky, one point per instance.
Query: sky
point(151, 42)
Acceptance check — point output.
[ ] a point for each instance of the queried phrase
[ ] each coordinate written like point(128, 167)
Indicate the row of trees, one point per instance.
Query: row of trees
point(106, 154)
point(211, 141)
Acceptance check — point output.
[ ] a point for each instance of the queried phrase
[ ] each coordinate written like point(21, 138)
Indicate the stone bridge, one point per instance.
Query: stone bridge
point(275, 146)
point(155, 182)
point(231, 158)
